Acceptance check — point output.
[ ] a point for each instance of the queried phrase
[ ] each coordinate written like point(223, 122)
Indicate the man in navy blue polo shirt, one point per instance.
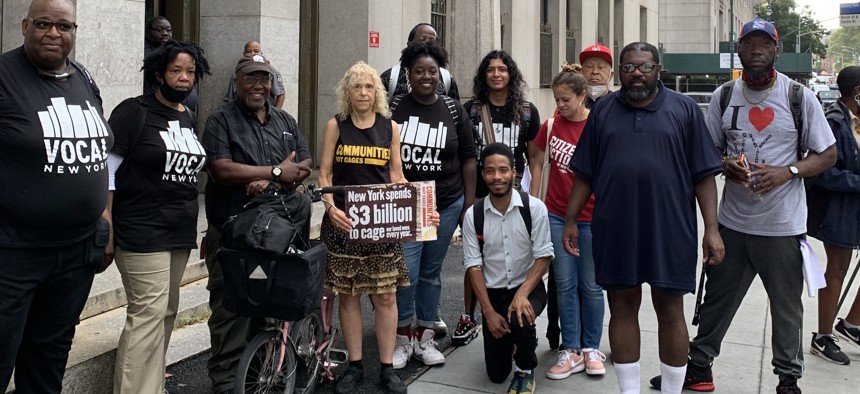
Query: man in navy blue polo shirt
point(647, 156)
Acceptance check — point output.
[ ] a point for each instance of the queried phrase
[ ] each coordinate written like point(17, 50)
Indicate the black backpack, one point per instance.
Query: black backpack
point(478, 217)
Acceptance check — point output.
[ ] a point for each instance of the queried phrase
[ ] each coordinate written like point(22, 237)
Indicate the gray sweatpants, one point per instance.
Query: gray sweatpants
point(777, 260)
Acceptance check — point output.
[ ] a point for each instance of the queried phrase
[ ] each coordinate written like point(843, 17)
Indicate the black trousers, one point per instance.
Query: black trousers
point(42, 294)
point(498, 352)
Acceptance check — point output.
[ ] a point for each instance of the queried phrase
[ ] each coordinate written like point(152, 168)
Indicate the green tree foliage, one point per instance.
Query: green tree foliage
point(784, 15)
point(844, 46)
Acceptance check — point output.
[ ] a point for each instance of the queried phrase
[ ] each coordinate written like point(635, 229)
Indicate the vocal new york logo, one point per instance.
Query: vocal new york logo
point(75, 138)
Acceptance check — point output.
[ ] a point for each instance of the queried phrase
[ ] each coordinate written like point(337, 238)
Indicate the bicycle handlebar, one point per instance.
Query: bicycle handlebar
point(317, 192)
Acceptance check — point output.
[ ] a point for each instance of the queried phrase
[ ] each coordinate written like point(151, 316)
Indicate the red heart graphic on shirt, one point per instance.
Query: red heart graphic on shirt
point(761, 118)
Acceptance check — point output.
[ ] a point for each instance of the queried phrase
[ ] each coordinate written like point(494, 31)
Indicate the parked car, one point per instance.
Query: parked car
point(828, 97)
point(702, 99)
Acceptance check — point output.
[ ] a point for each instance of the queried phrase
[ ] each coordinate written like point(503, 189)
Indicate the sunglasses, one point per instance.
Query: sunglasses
point(250, 79)
point(644, 67)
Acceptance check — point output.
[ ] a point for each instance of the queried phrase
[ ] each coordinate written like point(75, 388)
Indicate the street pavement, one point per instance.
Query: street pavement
point(744, 365)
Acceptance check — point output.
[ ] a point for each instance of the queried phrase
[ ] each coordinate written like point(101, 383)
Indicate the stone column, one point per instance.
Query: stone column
point(474, 31)
point(225, 27)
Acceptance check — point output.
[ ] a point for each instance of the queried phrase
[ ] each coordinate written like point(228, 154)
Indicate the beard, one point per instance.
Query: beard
point(505, 191)
point(758, 73)
point(637, 94)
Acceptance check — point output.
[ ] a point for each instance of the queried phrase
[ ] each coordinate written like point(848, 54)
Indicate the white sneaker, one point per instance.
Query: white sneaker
point(425, 349)
point(402, 351)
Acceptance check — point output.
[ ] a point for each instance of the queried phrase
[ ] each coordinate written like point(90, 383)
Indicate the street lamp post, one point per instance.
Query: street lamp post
point(797, 40)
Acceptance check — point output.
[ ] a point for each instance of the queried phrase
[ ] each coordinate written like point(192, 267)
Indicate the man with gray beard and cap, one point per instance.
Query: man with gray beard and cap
point(251, 146)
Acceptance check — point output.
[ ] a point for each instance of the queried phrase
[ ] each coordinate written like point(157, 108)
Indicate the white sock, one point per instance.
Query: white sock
point(673, 378)
point(849, 325)
point(818, 336)
point(628, 377)
point(521, 370)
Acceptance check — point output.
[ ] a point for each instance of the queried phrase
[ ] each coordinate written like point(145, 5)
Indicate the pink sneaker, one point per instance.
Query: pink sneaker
point(569, 362)
point(594, 361)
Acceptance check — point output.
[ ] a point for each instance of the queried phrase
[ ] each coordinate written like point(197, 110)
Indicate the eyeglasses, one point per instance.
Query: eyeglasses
point(644, 67)
point(162, 30)
point(46, 25)
point(251, 80)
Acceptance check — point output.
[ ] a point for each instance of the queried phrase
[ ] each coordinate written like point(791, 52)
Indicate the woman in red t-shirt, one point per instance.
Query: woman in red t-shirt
point(580, 330)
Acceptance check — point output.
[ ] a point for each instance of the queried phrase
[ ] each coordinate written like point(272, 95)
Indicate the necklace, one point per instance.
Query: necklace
point(744, 91)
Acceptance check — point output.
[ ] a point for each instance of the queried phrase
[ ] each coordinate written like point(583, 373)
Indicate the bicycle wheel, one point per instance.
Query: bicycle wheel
point(307, 334)
point(258, 370)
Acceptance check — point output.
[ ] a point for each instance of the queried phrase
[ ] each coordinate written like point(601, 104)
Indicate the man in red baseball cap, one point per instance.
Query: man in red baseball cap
point(596, 63)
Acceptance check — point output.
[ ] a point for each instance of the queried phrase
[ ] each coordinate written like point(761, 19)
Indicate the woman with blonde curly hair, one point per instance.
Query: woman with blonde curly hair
point(362, 122)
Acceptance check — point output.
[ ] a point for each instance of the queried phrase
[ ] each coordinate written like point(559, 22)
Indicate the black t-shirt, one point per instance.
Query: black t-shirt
point(155, 202)
point(433, 146)
point(361, 156)
point(53, 158)
point(234, 132)
point(514, 136)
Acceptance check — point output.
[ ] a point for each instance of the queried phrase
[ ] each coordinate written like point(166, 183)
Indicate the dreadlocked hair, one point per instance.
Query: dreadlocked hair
point(516, 85)
point(157, 61)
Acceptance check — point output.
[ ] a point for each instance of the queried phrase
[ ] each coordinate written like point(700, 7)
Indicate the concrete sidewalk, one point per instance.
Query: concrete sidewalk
point(743, 366)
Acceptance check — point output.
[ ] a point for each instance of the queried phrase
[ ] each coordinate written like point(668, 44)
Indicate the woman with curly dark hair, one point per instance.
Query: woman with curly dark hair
point(499, 113)
point(436, 145)
point(152, 171)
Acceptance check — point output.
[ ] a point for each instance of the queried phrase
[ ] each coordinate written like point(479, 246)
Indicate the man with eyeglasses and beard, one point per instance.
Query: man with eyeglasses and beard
point(53, 193)
point(646, 154)
point(763, 210)
point(251, 147)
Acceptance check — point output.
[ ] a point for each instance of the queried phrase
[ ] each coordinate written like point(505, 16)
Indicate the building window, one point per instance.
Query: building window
point(438, 13)
point(545, 45)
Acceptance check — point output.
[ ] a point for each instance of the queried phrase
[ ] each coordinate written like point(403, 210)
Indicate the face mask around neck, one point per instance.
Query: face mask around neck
point(596, 91)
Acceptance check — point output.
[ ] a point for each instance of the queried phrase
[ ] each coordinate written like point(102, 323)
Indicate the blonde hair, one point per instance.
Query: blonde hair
point(357, 73)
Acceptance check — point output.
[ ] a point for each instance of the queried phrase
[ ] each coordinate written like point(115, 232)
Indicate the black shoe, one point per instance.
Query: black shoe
point(696, 380)
point(349, 382)
point(851, 334)
point(788, 389)
point(390, 381)
point(826, 348)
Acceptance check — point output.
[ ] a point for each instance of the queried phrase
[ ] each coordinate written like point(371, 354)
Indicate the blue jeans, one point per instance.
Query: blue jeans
point(575, 276)
point(424, 261)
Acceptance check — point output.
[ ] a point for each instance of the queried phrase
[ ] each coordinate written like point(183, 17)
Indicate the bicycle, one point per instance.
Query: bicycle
point(293, 356)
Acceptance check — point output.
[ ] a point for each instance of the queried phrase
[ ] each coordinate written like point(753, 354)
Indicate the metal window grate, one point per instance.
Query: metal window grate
point(438, 14)
point(545, 55)
point(570, 47)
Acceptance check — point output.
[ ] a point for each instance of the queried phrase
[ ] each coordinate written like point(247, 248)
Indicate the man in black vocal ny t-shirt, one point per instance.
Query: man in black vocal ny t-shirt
point(53, 194)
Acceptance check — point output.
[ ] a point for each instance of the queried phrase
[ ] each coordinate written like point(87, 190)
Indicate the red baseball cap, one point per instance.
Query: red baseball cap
point(597, 50)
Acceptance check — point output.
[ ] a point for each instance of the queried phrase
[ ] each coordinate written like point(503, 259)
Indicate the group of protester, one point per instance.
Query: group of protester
point(602, 195)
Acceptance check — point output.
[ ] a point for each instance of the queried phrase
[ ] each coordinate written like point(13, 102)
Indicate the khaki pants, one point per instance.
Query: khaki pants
point(151, 282)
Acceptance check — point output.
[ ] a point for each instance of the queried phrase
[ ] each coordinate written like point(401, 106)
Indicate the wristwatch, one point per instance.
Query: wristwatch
point(794, 171)
point(276, 173)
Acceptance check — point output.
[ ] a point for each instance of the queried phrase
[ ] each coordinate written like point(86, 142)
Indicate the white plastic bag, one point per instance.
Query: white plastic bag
point(812, 273)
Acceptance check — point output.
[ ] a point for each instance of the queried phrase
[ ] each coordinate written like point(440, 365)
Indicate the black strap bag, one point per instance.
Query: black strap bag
point(270, 223)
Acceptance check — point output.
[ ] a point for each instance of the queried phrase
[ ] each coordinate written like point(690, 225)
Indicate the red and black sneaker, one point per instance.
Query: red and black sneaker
point(695, 380)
